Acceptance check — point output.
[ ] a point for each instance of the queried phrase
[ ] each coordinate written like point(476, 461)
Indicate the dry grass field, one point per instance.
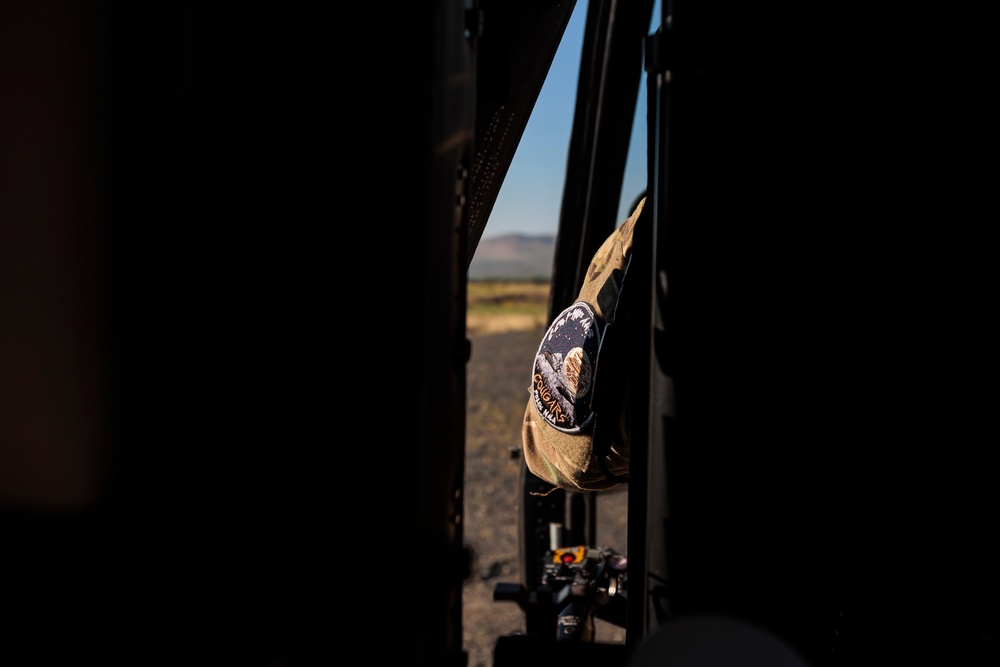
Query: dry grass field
point(500, 307)
point(505, 323)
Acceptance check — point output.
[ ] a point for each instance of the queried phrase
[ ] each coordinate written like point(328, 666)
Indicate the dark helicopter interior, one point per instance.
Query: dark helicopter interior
point(233, 254)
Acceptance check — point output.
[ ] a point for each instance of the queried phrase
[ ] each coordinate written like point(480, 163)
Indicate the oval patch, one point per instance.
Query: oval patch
point(563, 373)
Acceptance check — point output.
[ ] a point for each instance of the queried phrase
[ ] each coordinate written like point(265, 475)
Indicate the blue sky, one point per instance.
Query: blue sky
point(531, 194)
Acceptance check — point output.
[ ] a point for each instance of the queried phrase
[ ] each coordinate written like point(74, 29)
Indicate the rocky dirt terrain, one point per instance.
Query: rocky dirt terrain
point(497, 379)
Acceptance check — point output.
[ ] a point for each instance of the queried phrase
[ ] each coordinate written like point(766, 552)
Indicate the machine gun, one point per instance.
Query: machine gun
point(578, 584)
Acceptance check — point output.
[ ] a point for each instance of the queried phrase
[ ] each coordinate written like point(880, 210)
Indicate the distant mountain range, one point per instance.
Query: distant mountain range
point(513, 257)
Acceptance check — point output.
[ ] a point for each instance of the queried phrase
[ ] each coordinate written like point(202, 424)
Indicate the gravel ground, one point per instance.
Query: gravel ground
point(498, 377)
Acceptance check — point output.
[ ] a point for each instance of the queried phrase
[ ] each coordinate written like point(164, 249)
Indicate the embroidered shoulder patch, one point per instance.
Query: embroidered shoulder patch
point(563, 373)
